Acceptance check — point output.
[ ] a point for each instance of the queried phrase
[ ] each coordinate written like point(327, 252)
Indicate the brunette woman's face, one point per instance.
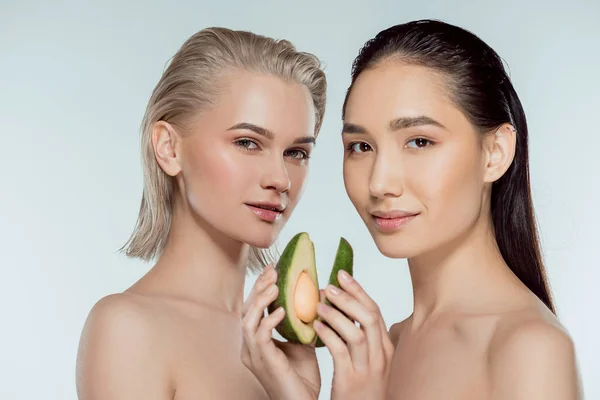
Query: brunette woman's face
point(414, 167)
point(243, 166)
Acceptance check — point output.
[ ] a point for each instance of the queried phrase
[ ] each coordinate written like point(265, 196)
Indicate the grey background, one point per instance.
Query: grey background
point(74, 81)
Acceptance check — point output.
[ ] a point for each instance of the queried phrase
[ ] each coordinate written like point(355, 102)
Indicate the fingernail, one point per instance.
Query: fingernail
point(344, 275)
point(317, 324)
point(333, 290)
point(279, 311)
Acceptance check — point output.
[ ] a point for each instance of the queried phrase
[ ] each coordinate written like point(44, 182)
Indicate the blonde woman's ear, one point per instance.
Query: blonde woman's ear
point(165, 141)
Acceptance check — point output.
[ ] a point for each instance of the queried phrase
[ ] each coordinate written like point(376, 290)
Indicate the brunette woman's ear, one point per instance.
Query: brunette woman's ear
point(499, 146)
point(166, 143)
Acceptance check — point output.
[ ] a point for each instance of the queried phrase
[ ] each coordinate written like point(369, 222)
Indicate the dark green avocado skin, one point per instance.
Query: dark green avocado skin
point(344, 260)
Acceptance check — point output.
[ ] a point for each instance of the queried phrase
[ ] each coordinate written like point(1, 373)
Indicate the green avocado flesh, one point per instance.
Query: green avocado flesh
point(298, 257)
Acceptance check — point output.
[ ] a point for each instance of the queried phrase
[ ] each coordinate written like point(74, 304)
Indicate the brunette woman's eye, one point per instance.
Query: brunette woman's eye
point(419, 143)
point(358, 147)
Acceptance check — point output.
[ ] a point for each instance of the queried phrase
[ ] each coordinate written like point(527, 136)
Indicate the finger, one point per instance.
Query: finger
point(268, 276)
point(273, 357)
point(368, 320)
point(261, 282)
point(254, 316)
point(256, 309)
point(245, 354)
point(336, 346)
point(388, 346)
point(352, 287)
point(353, 335)
point(265, 329)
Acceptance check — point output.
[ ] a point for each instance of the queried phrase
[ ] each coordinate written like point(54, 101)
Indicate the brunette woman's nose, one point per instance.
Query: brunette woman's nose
point(386, 178)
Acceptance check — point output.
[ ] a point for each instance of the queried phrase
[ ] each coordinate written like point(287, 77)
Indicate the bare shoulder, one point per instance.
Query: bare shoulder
point(531, 356)
point(116, 306)
point(528, 339)
point(120, 315)
point(118, 356)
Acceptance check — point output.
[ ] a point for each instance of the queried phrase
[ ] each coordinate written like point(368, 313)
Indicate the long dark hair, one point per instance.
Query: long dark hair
point(481, 88)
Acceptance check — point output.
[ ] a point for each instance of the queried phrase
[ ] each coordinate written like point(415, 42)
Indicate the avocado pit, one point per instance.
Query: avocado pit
point(306, 297)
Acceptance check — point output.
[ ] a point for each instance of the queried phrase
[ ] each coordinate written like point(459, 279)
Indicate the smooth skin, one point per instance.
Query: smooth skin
point(176, 333)
point(476, 331)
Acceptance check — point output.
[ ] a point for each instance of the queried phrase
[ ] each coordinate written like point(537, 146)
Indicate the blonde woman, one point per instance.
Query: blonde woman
point(226, 139)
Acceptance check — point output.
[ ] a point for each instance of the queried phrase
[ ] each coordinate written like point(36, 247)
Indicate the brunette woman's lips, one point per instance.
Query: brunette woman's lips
point(389, 221)
point(268, 212)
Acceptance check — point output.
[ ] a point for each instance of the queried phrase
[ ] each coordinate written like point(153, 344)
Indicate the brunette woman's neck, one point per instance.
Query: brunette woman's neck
point(465, 276)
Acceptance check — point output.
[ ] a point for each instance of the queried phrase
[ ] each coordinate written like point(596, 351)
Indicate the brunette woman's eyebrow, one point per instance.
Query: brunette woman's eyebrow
point(353, 129)
point(409, 122)
point(395, 125)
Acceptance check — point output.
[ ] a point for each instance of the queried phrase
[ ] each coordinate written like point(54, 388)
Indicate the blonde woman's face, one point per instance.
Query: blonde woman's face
point(245, 162)
point(414, 166)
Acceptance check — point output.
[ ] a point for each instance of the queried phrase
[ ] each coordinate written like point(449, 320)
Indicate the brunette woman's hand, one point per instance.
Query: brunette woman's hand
point(361, 354)
point(287, 371)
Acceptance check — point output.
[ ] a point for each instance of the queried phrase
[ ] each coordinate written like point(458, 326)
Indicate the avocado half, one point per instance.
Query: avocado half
point(344, 260)
point(298, 258)
point(299, 287)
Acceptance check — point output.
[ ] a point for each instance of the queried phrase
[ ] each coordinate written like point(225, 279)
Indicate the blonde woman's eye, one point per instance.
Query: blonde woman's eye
point(247, 144)
point(297, 154)
point(358, 147)
point(419, 143)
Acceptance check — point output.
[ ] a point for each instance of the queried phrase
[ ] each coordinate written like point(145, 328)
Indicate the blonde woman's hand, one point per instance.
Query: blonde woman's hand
point(362, 354)
point(287, 371)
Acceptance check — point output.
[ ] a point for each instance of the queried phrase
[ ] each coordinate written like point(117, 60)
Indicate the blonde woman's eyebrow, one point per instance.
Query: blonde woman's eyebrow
point(268, 134)
point(254, 128)
point(305, 139)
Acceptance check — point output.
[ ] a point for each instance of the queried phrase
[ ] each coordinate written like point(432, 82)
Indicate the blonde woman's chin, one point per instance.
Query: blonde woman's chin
point(259, 237)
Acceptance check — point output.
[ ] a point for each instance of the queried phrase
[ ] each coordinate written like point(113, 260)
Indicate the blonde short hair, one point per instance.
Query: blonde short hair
point(190, 84)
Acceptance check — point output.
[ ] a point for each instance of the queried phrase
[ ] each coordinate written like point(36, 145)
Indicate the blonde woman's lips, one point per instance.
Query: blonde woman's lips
point(268, 212)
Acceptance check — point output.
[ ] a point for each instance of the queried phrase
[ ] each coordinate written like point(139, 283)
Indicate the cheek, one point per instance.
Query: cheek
point(214, 174)
point(356, 181)
point(449, 184)
point(297, 175)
